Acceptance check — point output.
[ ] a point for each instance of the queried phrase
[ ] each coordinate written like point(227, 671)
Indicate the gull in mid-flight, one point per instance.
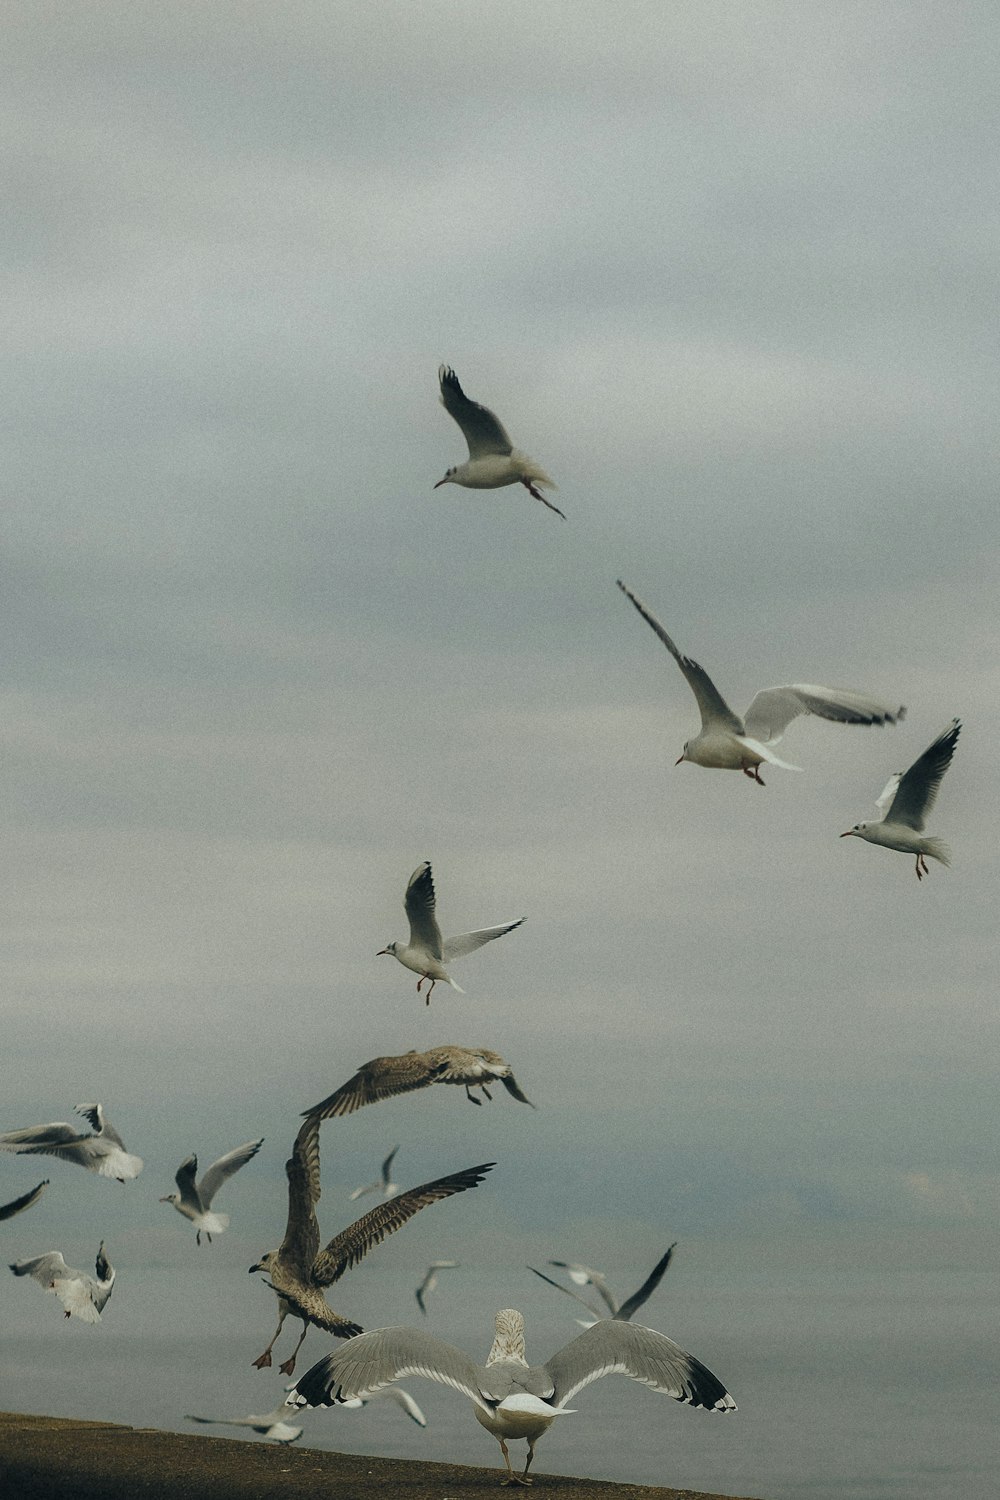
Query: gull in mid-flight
point(430, 1281)
point(81, 1295)
point(511, 1398)
point(584, 1276)
point(493, 460)
point(104, 1152)
point(18, 1205)
point(728, 743)
point(906, 801)
point(194, 1200)
point(427, 952)
point(300, 1271)
point(384, 1184)
point(474, 1067)
point(272, 1424)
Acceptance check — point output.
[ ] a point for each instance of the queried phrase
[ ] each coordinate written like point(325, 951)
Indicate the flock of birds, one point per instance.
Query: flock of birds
point(511, 1398)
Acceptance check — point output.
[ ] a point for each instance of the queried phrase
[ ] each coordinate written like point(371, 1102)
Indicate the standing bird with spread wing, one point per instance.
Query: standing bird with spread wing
point(493, 460)
point(427, 951)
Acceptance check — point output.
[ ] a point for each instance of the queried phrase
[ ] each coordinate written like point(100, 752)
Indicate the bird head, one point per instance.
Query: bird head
point(171, 1198)
point(265, 1263)
point(448, 479)
point(684, 753)
point(390, 948)
point(858, 830)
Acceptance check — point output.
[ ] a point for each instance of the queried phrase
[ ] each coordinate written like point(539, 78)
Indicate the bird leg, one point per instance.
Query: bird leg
point(288, 1367)
point(468, 1095)
point(752, 773)
point(539, 496)
point(922, 869)
point(511, 1477)
point(264, 1362)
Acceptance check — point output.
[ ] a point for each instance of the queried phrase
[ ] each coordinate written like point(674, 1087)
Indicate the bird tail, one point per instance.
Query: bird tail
point(457, 987)
point(938, 849)
point(535, 472)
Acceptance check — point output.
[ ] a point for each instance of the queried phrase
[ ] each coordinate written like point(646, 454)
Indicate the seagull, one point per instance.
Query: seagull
point(272, 1425)
point(18, 1205)
point(81, 1296)
point(584, 1276)
point(104, 1152)
point(194, 1200)
point(300, 1270)
point(430, 1281)
point(384, 1185)
point(493, 460)
point(474, 1067)
point(427, 952)
point(906, 801)
point(729, 743)
point(513, 1399)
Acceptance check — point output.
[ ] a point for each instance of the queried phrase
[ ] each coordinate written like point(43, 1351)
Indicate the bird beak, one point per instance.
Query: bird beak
point(440, 483)
point(678, 760)
point(164, 1200)
point(849, 834)
point(254, 1268)
point(381, 951)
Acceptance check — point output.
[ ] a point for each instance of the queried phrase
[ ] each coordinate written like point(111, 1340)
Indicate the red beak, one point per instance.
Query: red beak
point(678, 760)
point(848, 834)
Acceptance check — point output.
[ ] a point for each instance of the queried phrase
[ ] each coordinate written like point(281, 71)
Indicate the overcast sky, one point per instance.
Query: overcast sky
point(729, 274)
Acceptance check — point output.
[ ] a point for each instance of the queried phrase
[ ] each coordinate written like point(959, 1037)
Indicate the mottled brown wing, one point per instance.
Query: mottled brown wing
point(375, 1080)
point(352, 1245)
point(301, 1240)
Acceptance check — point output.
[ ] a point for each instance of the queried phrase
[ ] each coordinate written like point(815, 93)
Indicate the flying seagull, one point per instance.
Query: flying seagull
point(906, 801)
point(430, 1281)
point(729, 743)
point(18, 1205)
point(513, 1399)
point(427, 952)
point(395, 1393)
point(272, 1424)
point(194, 1200)
point(493, 460)
point(103, 1152)
point(473, 1067)
point(384, 1184)
point(584, 1276)
point(300, 1270)
point(81, 1296)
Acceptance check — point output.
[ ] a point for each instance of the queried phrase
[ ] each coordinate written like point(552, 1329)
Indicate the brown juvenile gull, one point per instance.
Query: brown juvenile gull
point(493, 460)
point(194, 1200)
point(729, 743)
point(81, 1295)
point(472, 1067)
point(584, 1276)
point(513, 1399)
point(906, 801)
point(103, 1152)
point(430, 1280)
point(383, 1183)
point(427, 952)
point(300, 1270)
point(18, 1205)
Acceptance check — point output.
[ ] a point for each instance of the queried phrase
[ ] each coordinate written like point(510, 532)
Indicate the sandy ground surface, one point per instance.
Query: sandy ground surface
point(45, 1458)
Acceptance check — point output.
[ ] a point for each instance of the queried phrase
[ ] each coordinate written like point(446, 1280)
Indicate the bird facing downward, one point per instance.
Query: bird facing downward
point(728, 743)
point(493, 460)
point(511, 1398)
point(427, 952)
point(194, 1200)
point(81, 1295)
point(906, 801)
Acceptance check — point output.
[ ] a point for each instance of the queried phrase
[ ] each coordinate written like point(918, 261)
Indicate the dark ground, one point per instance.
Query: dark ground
point(48, 1458)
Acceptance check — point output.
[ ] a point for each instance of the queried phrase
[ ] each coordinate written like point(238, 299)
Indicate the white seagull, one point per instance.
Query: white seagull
point(427, 952)
point(906, 801)
point(272, 1424)
point(513, 1399)
point(384, 1184)
point(104, 1152)
point(194, 1200)
point(81, 1296)
point(493, 460)
point(430, 1281)
point(728, 743)
point(18, 1205)
point(584, 1276)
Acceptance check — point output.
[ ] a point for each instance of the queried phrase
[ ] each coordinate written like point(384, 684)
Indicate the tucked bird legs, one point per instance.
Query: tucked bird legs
point(493, 460)
point(427, 952)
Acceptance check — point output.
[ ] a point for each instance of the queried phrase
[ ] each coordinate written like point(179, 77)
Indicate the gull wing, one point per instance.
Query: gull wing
point(632, 1304)
point(420, 903)
point(378, 1079)
point(45, 1268)
point(301, 1240)
point(185, 1176)
point(714, 709)
point(94, 1113)
point(773, 709)
point(918, 787)
point(484, 432)
point(220, 1171)
point(569, 1292)
point(616, 1348)
point(387, 1167)
point(18, 1205)
point(884, 801)
point(372, 1361)
point(468, 942)
point(352, 1244)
